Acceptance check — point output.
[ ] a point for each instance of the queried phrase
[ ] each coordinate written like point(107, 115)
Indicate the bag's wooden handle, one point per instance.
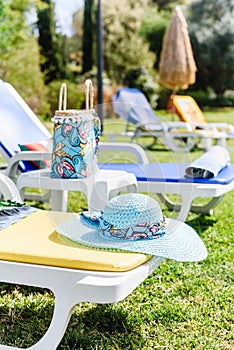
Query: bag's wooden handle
point(63, 97)
point(89, 94)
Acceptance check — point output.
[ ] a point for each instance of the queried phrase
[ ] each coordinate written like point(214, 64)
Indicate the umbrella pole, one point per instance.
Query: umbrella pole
point(170, 105)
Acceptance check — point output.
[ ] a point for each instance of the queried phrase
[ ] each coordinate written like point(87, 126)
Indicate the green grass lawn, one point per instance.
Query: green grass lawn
point(181, 306)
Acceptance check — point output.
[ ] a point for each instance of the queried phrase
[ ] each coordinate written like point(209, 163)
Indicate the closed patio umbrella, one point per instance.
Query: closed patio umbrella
point(177, 68)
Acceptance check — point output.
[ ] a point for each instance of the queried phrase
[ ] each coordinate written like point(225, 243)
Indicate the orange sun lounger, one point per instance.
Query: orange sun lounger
point(188, 111)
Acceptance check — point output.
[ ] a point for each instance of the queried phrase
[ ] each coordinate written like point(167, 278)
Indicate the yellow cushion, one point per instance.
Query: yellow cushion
point(34, 240)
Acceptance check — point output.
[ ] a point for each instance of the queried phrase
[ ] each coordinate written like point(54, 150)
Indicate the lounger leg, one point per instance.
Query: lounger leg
point(207, 208)
point(61, 316)
point(222, 142)
point(171, 141)
point(182, 208)
point(170, 205)
point(205, 143)
point(57, 328)
point(102, 191)
point(59, 323)
point(59, 200)
point(187, 206)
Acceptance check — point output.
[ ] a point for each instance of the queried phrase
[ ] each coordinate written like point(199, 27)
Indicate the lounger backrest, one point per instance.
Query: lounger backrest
point(188, 110)
point(132, 105)
point(18, 123)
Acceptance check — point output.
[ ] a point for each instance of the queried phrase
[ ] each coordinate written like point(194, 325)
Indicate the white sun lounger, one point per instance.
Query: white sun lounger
point(33, 254)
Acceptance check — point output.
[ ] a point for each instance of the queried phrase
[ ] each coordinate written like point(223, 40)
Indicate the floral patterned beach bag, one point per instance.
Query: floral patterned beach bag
point(75, 138)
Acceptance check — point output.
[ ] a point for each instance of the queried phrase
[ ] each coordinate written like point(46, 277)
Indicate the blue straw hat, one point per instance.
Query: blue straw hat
point(135, 222)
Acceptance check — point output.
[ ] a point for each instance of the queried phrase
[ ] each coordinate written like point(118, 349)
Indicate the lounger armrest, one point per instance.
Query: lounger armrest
point(152, 127)
point(135, 149)
point(223, 127)
point(178, 125)
point(12, 167)
point(8, 189)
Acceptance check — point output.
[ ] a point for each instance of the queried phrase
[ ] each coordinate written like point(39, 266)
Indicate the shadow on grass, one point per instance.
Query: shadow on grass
point(201, 222)
point(26, 313)
point(102, 325)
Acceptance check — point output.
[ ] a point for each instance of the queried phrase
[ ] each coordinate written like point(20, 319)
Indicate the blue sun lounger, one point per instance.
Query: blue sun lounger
point(132, 105)
point(169, 178)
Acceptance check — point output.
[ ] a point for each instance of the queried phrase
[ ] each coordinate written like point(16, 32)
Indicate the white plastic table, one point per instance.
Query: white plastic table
point(98, 188)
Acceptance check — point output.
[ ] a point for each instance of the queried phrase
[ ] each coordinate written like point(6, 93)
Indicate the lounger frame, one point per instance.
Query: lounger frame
point(70, 287)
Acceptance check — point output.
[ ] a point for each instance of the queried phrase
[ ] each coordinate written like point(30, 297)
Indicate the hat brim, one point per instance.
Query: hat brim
point(180, 242)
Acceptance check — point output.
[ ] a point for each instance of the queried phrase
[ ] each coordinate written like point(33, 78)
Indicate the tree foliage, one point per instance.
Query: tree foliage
point(167, 4)
point(5, 28)
point(19, 53)
point(124, 48)
point(12, 25)
point(212, 35)
point(23, 72)
point(54, 61)
point(132, 40)
point(153, 28)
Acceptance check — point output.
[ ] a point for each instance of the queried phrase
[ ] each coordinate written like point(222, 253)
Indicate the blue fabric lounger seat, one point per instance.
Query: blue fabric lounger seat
point(169, 172)
point(166, 178)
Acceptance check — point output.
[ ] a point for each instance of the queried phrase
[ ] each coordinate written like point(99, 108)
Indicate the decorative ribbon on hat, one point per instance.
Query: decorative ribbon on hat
point(137, 232)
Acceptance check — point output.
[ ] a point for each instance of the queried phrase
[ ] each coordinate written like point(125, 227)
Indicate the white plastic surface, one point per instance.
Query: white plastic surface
point(71, 286)
point(98, 188)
